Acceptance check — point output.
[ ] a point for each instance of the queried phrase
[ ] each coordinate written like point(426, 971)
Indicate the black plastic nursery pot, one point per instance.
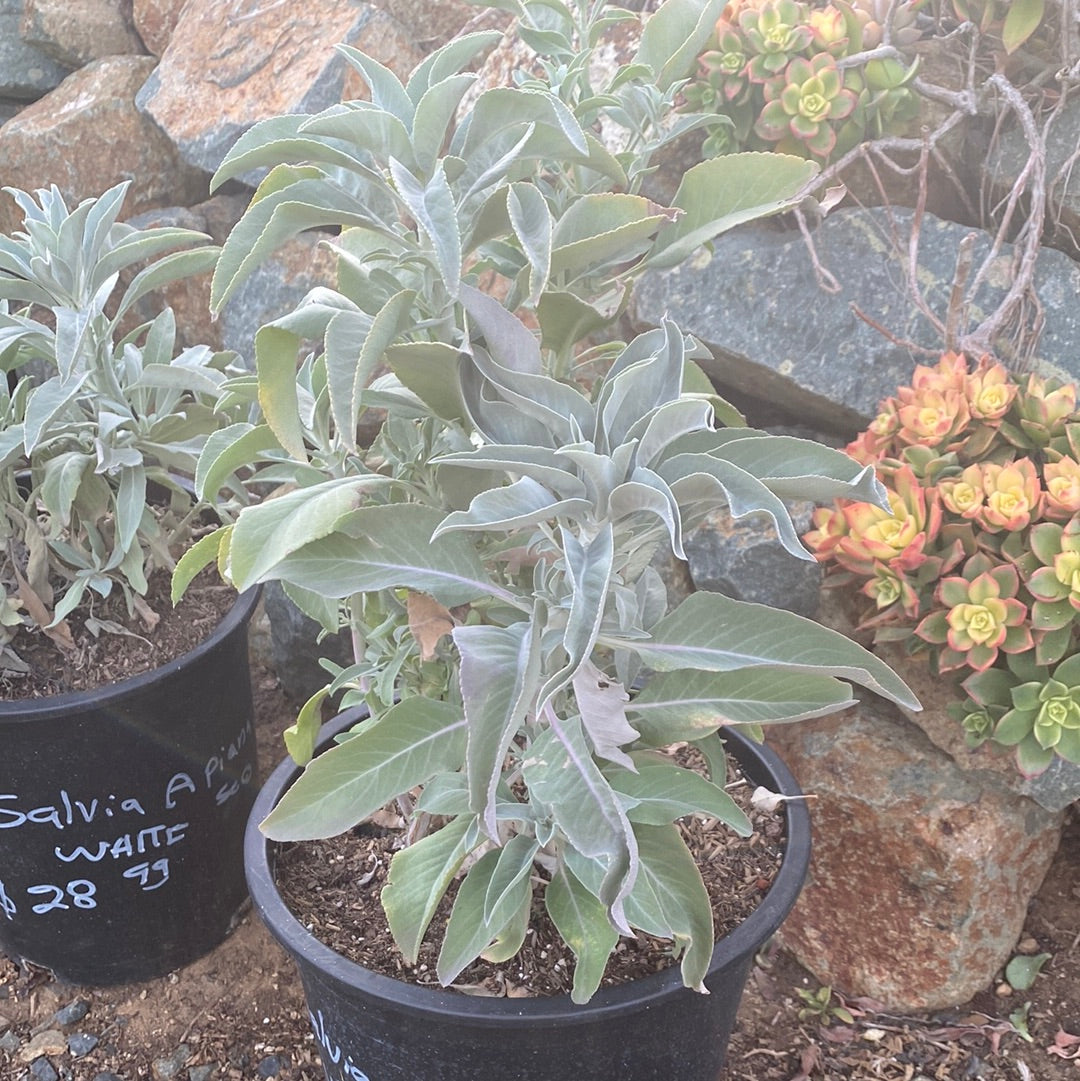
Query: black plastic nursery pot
point(369, 1027)
point(122, 815)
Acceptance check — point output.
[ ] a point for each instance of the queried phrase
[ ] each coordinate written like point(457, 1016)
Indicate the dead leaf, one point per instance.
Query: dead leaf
point(429, 622)
point(146, 613)
point(1066, 1045)
point(809, 1060)
point(40, 614)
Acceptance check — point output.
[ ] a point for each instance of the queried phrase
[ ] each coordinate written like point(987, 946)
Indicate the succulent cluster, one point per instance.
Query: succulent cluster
point(978, 565)
point(773, 72)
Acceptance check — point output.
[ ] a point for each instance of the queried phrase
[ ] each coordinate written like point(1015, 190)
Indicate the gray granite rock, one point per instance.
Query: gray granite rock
point(26, 73)
point(777, 336)
point(743, 559)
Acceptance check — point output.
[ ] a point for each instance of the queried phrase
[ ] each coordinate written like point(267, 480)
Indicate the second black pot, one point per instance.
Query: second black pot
point(369, 1027)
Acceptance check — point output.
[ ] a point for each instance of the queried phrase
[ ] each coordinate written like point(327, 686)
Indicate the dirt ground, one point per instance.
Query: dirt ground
point(239, 1012)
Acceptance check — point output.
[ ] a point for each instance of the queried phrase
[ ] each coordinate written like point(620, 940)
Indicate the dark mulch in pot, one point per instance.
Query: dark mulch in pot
point(108, 657)
point(333, 887)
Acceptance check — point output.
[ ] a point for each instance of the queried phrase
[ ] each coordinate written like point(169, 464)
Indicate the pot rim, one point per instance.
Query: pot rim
point(444, 1004)
point(36, 709)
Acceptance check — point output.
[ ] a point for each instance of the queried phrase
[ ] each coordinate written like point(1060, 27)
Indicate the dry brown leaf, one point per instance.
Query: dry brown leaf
point(809, 1060)
point(1066, 1045)
point(146, 613)
point(429, 622)
point(40, 614)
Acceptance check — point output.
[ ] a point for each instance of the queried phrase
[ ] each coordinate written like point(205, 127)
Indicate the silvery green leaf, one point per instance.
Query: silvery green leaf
point(663, 791)
point(510, 344)
point(22, 290)
point(279, 395)
point(178, 377)
point(61, 480)
point(647, 493)
point(503, 107)
point(550, 468)
point(266, 534)
point(432, 205)
point(588, 570)
point(411, 742)
point(674, 36)
point(582, 921)
point(498, 422)
point(717, 634)
point(500, 672)
point(468, 933)
point(418, 878)
point(532, 223)
point(561, 774)
point(795, 468)
point(513, 506)
point(601, 702)
point(602, 229)
point(515, 863)
point(227, 450)
point(367, 127)
point(46, 402)
point(434, 114)
point(323, 610)
point(130, 502)
point(446, 794)
point(11, 445)
point(448, 60)
point(566, 319)
point(170, 268)
point(720, 193)
point(660, 428)
point(387, 547)
point(702, 483)
point(669, 899)
point(387, 93)
point(687, 704)
point(429, 370)
point(74, 341)
point(491, 164)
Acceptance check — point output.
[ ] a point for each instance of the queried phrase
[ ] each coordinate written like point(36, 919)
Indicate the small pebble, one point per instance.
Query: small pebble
point(107, 1075)
point(41, 1069)
point(81, 1043)
point(72, 1013)
point(9, 1042)
point(1003, 990)
point(166, 1068)
point(1027, 945)
point(200, 1073)
point(270, 1066)
point(49, 1042)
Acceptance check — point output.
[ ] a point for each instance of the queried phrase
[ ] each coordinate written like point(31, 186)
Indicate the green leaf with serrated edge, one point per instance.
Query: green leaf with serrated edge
point(515, 862)
point(277, 139)
point(275, 364)
point(388, 323)
point(387, 93)
point(683, 704)
point(601, 229)
point(1021, 971)
point(673, 37)
point(514, 506)
point(445, 794)
point(171, 268)
point(343, 346)
point(429, 370)
point(582, 922)
point(717, 634)
point(301, 736)
point(367, 127)
point(589, 567)
point(323, 610)
point(267, 533)
point(524, 460)
point(723, 192)
point(566, 319)
point(448, 60)
point(341, 787)
point(417, 880)
point(561, 774)
point(201, 554)
point(433, 206)
point(500, 672)
point(1021, 21)
point(663, 792)
point(227, 450)
point(503, 107)
point(510, 344)
point(385, 547)
point(532, 224)
point(434, 113)
point(468, 934)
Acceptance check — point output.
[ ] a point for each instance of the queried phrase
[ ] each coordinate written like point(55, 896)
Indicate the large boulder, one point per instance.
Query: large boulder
point(26, 73)
point(829, 358)
point(87, 135)
point(155, 21)
point(921, 873)
point(231, 63)
point(74, 32)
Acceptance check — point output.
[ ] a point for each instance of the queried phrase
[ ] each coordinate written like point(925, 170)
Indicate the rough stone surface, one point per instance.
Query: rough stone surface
point(231, 63)
point(274, 289)
point(155, 21)
point(1009, 156)
point(74, 32)
point(743, 559)
point(778, 336)
point(94, 110)
point(432, 23)
point(294, 646)
point(921, 874)
point(26, 73)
